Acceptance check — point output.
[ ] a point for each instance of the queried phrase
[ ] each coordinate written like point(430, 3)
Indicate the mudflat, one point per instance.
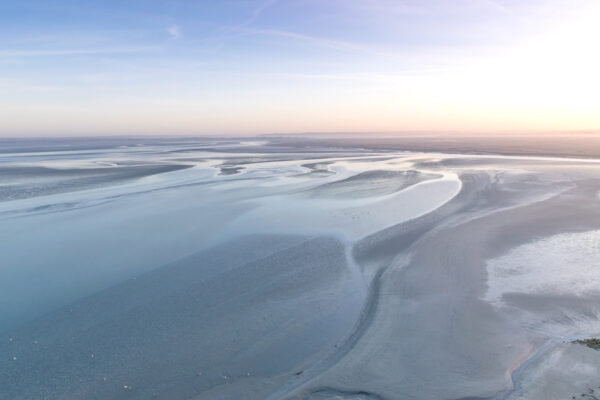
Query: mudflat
point(287, 268)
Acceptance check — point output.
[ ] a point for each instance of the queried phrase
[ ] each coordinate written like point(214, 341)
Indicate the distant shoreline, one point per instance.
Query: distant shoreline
point(581, 146)
point(576, 145)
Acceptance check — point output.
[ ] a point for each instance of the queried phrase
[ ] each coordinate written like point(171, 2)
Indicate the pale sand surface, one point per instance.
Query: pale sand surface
point(305, 272)
point(371, 183)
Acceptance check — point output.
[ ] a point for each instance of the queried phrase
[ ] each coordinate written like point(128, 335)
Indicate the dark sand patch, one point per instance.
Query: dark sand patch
point(318, 169)
point(24, 182)
point(593, 343)
point(230, 170)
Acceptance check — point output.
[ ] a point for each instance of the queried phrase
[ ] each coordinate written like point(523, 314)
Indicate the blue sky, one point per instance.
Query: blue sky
point(211, 67)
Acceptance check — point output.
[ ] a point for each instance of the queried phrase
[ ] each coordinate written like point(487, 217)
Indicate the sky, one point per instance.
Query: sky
point(77, 67)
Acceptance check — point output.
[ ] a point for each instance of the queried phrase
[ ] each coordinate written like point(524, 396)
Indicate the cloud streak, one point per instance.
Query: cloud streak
point(338, 45)
point(256, 12)
point(73, 52)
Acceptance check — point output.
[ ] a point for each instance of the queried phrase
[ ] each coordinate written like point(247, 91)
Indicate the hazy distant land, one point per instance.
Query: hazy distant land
point(282, 267)
point(559, 144)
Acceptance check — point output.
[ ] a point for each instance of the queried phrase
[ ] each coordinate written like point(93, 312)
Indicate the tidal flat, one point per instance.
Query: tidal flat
point(273, 268)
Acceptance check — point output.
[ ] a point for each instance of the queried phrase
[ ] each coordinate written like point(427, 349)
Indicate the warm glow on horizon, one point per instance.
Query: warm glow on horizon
point(279, 67)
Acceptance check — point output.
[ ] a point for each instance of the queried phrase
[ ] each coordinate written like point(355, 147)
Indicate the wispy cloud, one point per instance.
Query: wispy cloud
point(174, 31)
point(322, 42)
point(254, 15)
point(392, 8)
point(73, 52)
point(337, 44)
point(258, 10)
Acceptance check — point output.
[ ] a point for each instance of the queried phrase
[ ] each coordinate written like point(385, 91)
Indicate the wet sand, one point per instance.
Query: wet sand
point(360, 274)
point(24, 182)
